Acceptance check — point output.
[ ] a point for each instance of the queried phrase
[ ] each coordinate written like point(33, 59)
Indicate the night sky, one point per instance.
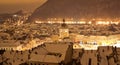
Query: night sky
point(11, 6)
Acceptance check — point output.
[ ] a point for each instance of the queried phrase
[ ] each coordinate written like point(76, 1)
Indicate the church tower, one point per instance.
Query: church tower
point(63, 31)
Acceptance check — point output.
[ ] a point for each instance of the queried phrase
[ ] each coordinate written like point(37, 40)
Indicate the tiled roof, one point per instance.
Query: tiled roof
point(52, 53)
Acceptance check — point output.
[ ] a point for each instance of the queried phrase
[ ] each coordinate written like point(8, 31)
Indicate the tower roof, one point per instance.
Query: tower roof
point(64, 25)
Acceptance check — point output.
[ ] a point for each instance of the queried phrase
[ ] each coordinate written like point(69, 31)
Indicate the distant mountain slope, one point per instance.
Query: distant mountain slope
point(77, 9)
point(11, 6)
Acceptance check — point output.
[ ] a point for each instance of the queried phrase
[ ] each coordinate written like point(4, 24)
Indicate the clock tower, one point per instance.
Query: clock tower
point(63, 31)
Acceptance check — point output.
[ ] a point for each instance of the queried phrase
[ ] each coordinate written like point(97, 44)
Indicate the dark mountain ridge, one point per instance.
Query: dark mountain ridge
point(77, 9)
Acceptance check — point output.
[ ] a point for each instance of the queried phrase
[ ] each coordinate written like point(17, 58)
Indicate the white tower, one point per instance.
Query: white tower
point(64, 31)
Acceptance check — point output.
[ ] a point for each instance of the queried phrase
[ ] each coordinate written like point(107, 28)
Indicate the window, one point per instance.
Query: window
point(21, 59)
